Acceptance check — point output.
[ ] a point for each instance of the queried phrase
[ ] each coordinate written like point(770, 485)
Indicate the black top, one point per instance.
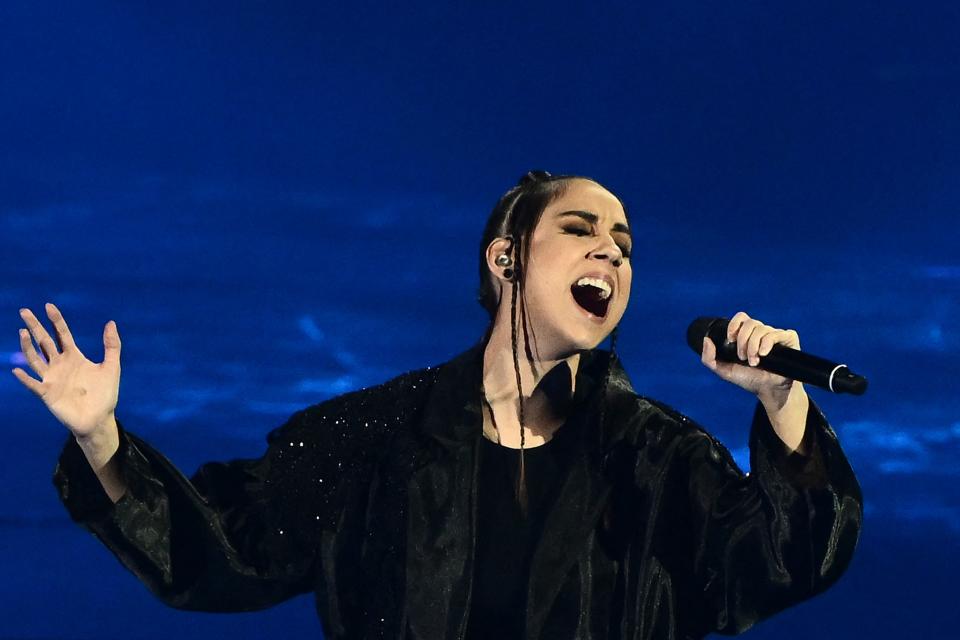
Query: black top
point(506, 540)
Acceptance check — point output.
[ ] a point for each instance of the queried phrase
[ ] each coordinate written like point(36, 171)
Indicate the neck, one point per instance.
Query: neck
point(500, 373)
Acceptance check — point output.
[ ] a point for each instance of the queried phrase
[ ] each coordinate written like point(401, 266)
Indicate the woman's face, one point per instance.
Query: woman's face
point(578, 272)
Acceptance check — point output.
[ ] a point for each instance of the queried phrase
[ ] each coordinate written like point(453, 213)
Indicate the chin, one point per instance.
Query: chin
point(575, 342)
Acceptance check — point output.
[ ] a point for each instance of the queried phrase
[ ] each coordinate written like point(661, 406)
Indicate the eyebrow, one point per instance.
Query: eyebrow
point(593, 219)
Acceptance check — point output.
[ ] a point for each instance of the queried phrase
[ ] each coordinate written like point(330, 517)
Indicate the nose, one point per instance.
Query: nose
point(609, 250)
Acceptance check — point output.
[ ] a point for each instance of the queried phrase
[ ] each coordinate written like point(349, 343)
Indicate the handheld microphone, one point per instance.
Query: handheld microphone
point(783, 361)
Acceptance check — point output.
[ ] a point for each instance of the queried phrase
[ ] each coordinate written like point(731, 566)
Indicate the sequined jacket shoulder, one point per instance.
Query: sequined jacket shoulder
point(244, 534)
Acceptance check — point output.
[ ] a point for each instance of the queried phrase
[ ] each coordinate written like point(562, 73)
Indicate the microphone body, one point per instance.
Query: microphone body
point(783, 361)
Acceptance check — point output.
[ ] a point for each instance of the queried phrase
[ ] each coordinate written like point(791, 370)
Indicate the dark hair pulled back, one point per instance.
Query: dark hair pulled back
point(515, 216)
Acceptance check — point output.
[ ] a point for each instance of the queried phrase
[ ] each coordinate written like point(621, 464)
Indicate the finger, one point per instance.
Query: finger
point(111, 343)
point(778, 336)
point(30, 353)
point(60, 325)
point(733, 328)
point(790, 339)
point(753, 342)
point(28, 382)
point(743, 337)
point(39, 334)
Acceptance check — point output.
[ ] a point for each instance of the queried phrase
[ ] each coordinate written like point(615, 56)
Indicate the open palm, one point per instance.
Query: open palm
point(80, 393)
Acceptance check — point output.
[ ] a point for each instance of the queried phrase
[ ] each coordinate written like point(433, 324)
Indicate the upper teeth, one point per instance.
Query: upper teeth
point(604, 287)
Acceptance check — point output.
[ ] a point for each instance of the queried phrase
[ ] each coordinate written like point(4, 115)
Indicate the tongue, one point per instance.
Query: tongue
point(588, 297)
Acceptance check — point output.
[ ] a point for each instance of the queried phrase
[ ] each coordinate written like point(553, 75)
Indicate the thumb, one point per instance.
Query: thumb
point(708, 355)
point(709, 360)
point(111, 343)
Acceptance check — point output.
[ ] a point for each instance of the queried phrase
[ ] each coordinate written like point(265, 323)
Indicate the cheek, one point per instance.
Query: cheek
point(626, 282)
point(544, 274)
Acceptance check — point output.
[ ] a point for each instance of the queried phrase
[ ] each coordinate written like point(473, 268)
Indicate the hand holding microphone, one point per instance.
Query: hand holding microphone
point(770, 358)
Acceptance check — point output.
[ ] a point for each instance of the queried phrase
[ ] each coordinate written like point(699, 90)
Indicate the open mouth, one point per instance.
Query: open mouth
point(593, 295)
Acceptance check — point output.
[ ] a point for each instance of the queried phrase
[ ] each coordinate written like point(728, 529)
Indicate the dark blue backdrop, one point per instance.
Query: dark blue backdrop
point(279, 202)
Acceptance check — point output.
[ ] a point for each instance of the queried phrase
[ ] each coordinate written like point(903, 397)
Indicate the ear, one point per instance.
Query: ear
point(500, 247)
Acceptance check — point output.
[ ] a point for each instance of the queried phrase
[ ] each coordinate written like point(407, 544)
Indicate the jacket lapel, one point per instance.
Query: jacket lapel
point(583, 496)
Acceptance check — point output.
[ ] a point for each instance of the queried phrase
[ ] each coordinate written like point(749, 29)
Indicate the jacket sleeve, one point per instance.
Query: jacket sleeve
point(216, 541)
point(769, 539)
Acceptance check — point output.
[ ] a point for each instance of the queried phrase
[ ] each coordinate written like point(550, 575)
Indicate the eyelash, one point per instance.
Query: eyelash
point(580, 231)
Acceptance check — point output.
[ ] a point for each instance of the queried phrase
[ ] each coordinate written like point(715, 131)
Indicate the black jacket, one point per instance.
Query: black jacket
point(368, 500)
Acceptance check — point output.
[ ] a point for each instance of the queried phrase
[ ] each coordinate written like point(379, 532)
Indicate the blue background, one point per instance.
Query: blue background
point(279, 202)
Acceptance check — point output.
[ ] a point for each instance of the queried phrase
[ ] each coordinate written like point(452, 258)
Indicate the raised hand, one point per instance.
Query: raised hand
point(80, 393)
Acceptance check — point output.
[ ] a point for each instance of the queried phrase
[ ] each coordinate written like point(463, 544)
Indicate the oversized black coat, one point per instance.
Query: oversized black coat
point(369, 501)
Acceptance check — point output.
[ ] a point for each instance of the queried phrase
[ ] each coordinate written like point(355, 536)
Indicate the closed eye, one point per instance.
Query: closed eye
point(581, 231)
point(577, 231)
